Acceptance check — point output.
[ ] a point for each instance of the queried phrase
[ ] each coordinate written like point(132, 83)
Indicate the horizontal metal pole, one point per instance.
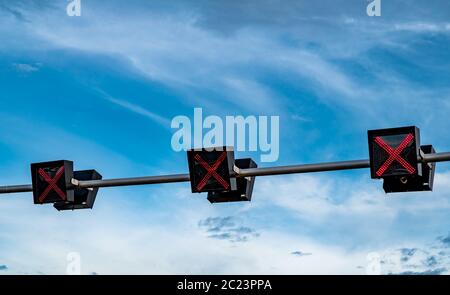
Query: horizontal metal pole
point(438, 157)
point(280, 170)
point(242, 173)
point(134, 181)
point(306, 168)
point(16, 189)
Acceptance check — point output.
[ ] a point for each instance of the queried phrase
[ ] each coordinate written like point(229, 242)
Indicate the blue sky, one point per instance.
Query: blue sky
point(101, 90)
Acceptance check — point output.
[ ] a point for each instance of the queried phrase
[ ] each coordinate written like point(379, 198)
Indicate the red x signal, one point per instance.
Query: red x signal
point(211, 171)
point(51, 184)
point(394, 155)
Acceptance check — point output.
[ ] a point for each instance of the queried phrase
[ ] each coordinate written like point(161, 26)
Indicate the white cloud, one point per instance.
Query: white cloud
point(432, 257)
point(113, 241)
point(26, 68)
point(185, 56)
point(164, 122)
point(318, 197)
point(214, 69)
point(422, 27)
point(352, 212)
point(119, 241)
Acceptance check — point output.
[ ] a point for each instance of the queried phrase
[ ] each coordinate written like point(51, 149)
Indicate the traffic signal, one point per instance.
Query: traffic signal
point(83, 198)
point(394, 152)
point(210, 169)
point(51, 181)
point(395, 155)
point(413, 183)
point(244, 186)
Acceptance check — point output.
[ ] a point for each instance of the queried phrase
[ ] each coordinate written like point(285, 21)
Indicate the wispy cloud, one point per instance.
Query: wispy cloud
point(432, 258)
point(423, 27)
point(11, 10)
point(26, 68)
point(300, 253)
point(445, 240)
point(185, 51)
point(164, 122)
point(226, 228)
point(193, 59)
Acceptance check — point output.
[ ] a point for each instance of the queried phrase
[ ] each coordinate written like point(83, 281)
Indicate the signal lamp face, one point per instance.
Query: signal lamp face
point(393, 152)
point(210, 170)
point(51, 181)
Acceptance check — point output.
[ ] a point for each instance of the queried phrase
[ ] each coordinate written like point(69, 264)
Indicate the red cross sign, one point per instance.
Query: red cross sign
point(52, 181)
point(394, 154)
point(52, 184)
point(211, 171)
